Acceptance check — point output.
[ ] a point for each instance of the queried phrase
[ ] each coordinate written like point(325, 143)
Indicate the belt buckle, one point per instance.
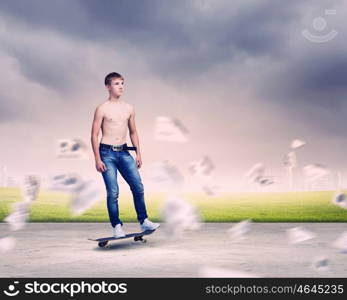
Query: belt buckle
point(116, 148)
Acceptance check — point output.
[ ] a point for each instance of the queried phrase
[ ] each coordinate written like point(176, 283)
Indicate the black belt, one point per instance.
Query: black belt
point(117, 147)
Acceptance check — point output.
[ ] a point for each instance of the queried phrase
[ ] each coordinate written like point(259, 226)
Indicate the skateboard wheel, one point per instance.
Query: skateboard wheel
point(144, 241)
point(102, 244)
point(138, 238)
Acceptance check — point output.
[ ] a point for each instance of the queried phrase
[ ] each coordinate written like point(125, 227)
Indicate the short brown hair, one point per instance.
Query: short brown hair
point(112, 75)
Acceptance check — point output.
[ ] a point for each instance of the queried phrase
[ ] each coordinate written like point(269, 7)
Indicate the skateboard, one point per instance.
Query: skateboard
point(138, 236)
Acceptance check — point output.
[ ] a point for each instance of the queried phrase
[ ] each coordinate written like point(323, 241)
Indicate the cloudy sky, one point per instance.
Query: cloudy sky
point(240, 75)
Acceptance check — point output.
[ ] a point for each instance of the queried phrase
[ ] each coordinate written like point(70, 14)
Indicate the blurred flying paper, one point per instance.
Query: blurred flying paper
point(71, 148)
point(170, 130)
point(297, 144)
point(179, 216)
point(265, 181)
point(201, 170)
point(256, 172)
point(66, 182)
point(84, 194)
point(30, 188)
point(211, 189)
point(213, 272)
point(166, 174)
point(7, 243)
point(341, 243)
point(320, 263)
point(17, 219)
point(339, 199)
point(201, 167)
point(315, 172)
point(240, 230)
point(290, 161)
point(85, 197)
point(256, 175)
point(299, 235)
point(20, 210)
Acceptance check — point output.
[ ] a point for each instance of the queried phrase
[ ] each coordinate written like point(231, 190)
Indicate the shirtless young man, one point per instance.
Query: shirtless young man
point(114, 117)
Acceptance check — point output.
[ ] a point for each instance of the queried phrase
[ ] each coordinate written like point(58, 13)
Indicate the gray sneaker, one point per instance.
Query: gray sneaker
point(118, 231)
point(148, 225)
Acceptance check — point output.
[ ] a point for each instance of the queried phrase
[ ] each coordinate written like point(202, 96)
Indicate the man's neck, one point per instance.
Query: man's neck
point(114, 99)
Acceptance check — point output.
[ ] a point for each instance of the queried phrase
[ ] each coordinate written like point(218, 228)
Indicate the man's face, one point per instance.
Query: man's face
point(116, 87)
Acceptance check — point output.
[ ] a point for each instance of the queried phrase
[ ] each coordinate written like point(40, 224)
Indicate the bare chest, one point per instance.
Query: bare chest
point(117, 115)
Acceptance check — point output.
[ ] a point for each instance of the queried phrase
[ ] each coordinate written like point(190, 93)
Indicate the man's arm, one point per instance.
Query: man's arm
point(98, 117)
point(134, 137)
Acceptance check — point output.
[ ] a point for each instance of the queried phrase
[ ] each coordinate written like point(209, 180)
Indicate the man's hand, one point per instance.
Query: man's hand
point(138, 161)
point(100, 166)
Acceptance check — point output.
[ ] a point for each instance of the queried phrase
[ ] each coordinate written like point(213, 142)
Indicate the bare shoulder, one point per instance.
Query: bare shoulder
point(101, 107)
point(130, 107)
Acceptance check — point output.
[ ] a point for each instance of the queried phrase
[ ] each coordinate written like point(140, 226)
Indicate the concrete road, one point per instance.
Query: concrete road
point(63, 250)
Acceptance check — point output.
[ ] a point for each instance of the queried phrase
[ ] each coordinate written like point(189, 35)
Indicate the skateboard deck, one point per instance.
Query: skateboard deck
point(138, 236)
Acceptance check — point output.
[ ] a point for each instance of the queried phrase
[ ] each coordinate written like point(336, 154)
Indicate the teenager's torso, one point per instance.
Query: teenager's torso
point(114, 125)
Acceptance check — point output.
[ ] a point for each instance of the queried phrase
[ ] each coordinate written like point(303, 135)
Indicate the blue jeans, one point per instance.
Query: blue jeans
point(126, 165)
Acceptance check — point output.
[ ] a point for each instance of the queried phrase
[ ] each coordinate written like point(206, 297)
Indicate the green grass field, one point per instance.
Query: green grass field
point(260, 207)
